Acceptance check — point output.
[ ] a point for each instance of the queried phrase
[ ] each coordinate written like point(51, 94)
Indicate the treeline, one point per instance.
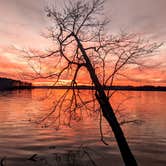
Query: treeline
point(9, 84)
point(129, 88)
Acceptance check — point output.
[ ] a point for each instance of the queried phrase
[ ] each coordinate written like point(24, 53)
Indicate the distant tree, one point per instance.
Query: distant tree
point(82, 44)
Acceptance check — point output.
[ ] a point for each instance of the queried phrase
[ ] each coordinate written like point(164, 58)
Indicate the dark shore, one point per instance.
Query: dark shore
point(127, 88)
point(10, 84)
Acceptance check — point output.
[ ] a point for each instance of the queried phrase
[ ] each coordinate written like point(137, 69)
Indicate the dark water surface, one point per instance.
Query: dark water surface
point(20, 138)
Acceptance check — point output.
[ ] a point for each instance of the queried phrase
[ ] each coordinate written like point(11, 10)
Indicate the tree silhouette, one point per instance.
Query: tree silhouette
point(82, 44)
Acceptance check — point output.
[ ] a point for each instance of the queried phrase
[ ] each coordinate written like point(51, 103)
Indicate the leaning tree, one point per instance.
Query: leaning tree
point(83, 47)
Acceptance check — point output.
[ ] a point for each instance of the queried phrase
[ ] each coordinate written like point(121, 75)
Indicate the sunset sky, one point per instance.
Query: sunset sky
point(23, 21)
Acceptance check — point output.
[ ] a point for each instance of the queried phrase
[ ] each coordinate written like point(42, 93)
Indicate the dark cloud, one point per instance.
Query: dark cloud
point(22, 12)
point(145, 16)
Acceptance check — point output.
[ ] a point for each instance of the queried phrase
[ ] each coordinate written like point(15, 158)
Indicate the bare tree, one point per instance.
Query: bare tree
point(82, 44)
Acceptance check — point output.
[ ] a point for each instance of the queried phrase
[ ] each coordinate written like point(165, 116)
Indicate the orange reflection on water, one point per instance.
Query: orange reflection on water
point(21, 137)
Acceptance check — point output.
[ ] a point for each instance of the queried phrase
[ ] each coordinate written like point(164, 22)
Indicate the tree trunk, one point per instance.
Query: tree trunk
point(107, 110)
point(109, 115)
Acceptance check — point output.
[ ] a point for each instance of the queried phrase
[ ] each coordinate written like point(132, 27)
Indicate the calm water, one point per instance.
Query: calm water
point(20, 138)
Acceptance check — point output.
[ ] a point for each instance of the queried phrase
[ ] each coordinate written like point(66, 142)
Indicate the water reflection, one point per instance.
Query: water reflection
point(20, 138)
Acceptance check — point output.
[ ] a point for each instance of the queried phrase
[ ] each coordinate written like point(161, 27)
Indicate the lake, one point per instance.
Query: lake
point(25, 142)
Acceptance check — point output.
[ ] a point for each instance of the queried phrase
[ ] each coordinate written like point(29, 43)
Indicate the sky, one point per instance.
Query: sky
point(23, 21)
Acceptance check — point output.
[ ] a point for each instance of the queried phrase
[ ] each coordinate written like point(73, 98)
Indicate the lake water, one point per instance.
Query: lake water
point(21, 138)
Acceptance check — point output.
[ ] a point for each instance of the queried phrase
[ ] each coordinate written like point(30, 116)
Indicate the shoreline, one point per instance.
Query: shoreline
point(84, 87)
